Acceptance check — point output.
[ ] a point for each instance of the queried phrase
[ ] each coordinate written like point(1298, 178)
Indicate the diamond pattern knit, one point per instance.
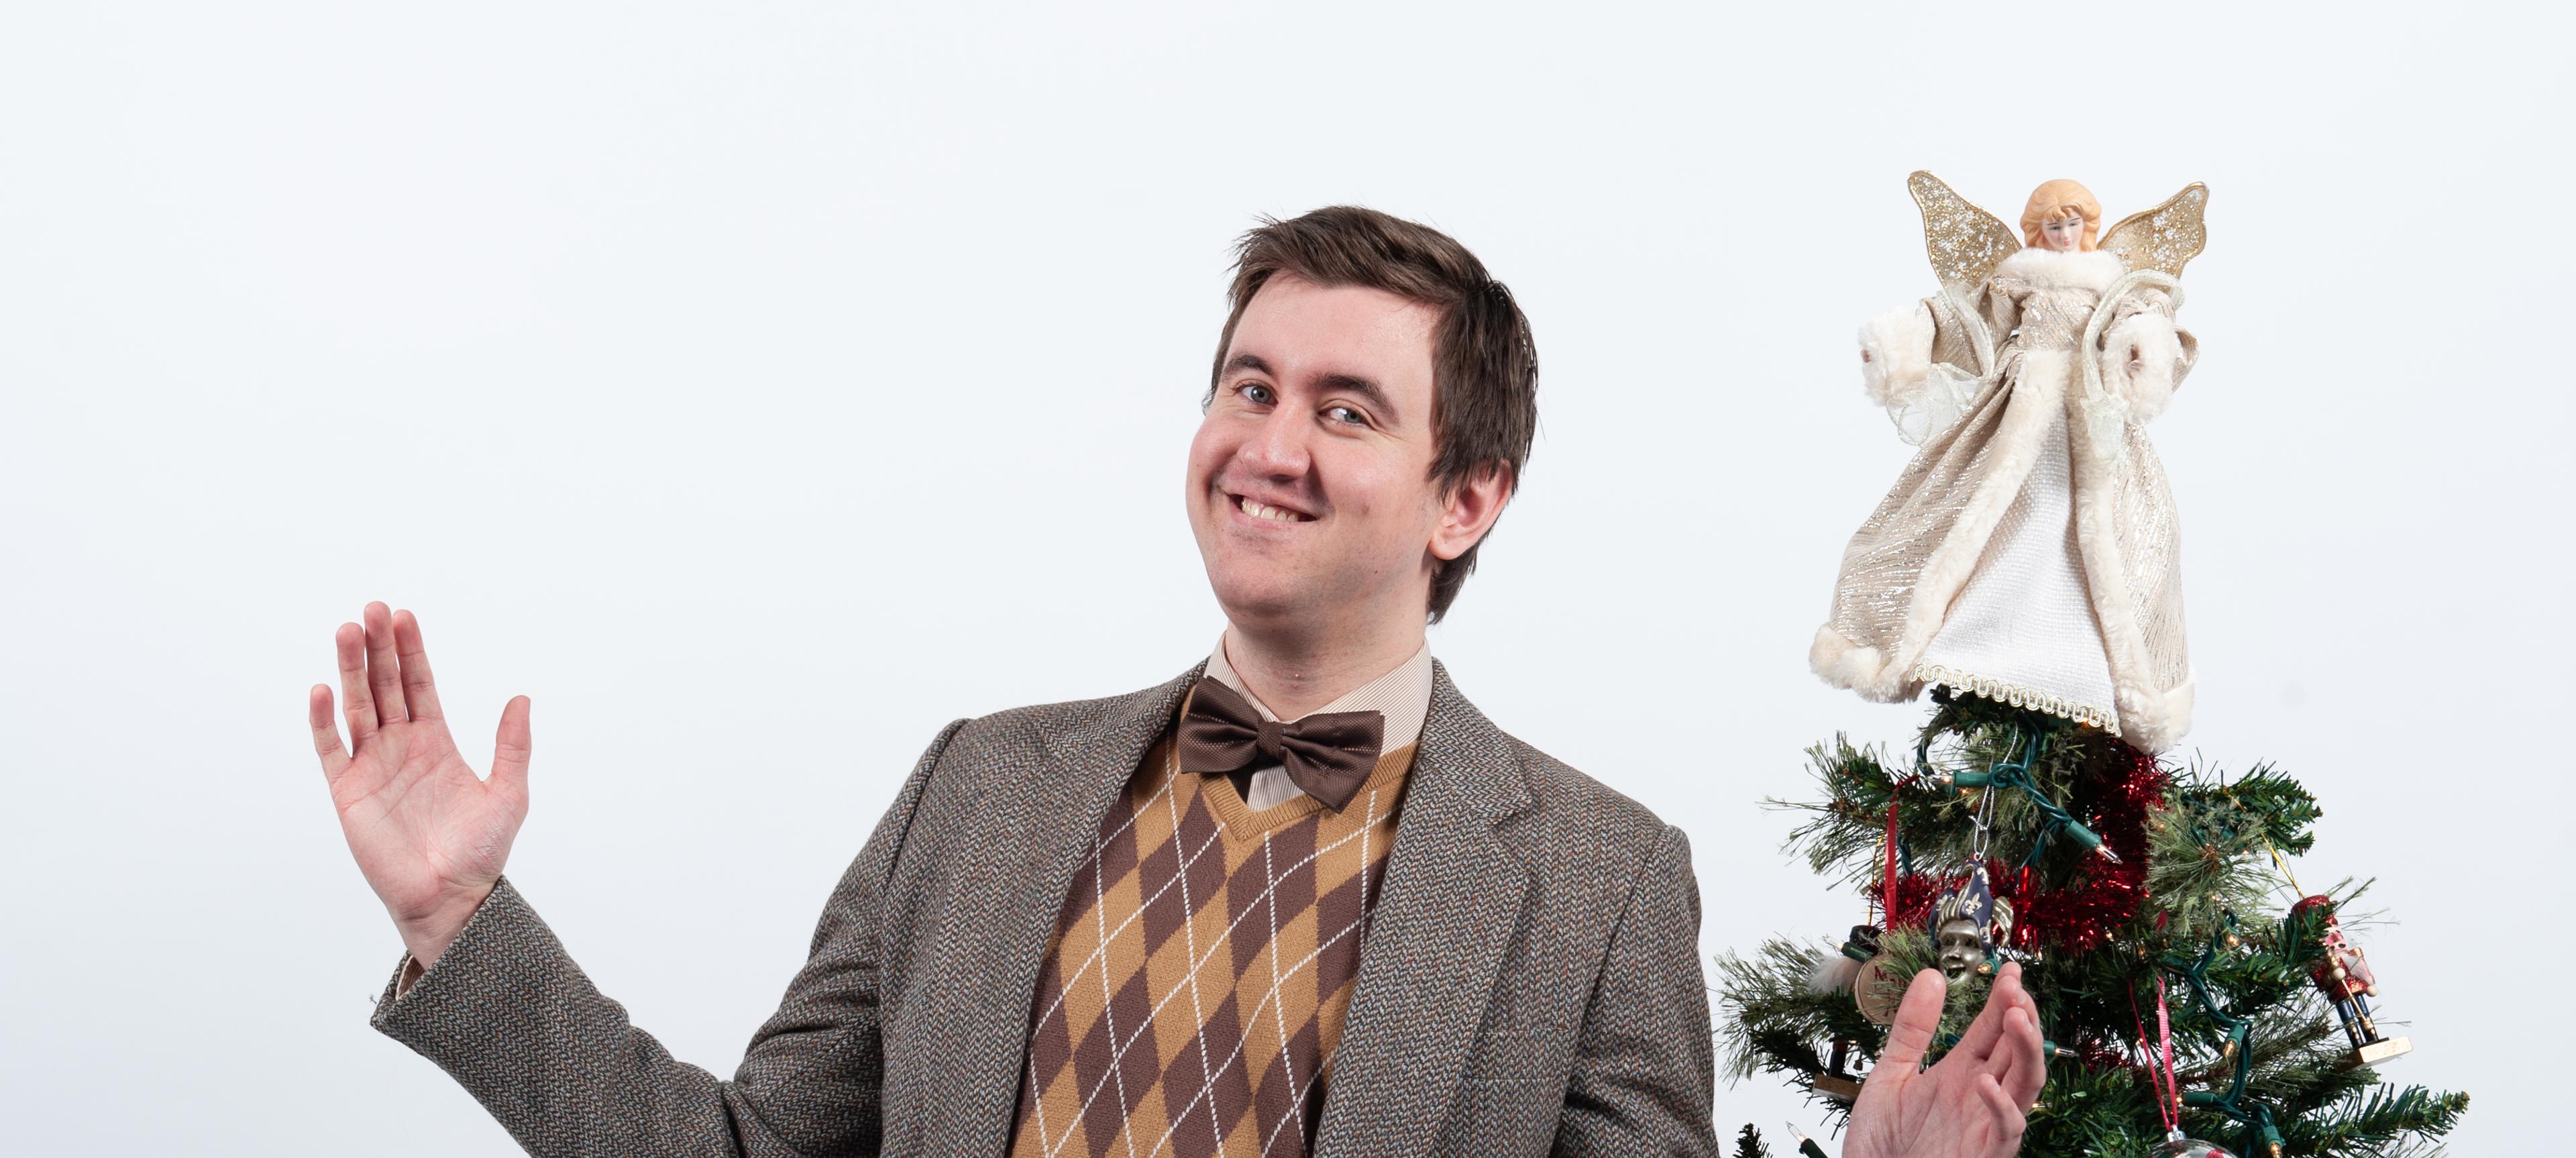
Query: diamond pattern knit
point(1196, 983)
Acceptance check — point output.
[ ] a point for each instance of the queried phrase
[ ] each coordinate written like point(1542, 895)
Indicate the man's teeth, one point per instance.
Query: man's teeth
point(1261, 511)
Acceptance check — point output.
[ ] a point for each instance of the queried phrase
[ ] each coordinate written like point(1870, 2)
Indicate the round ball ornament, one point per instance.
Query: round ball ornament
point(1878, 990)
point(2177, 1146)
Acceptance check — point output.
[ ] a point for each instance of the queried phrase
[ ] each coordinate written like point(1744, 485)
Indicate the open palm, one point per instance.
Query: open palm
point(1973, 1103)
point(428, 833)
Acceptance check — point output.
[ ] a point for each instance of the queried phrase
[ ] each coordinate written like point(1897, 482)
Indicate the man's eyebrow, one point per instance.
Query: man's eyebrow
point(1364, 387)
point(1250, 362)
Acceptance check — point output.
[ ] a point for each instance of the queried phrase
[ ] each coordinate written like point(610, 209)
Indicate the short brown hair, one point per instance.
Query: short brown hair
point(1484, 366)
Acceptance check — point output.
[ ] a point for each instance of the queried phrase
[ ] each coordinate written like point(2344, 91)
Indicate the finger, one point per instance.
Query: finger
point(2005, 1063)
point(510, 749)
point(2008, 984)
point(1979, 1040)
point(326, 732)
point(384, 672)
point(1995, 1038)
point(1918, 1017)
point(2009, 1119)
point(420, 691)
point(2029, 1057)
point(2010, 992)
point(2005, 995)
point(359, 703)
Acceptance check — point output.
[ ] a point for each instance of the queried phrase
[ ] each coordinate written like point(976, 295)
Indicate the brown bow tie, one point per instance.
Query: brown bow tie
point(1328, 754)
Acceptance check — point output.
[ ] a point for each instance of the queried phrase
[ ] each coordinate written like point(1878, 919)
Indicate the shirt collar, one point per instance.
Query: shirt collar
point(1403, 695)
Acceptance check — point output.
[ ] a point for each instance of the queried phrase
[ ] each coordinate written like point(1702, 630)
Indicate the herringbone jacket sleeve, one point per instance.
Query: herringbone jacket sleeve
point(1643, 1075)
point(507, 1013)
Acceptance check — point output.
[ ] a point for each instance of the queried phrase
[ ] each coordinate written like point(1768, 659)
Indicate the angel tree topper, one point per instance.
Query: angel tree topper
point(2030, 552)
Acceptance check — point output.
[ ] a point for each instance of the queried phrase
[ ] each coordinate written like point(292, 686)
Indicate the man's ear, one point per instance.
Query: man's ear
point(1469, 510)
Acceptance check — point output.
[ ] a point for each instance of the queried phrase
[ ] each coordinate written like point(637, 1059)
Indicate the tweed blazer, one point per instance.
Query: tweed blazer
point(1530, 983)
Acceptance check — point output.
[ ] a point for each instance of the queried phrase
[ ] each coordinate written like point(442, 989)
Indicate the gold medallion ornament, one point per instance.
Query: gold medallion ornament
point(1878, 990)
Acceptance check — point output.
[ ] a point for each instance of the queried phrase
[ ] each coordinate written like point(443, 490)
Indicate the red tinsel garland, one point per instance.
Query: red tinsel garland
point(2083, 914)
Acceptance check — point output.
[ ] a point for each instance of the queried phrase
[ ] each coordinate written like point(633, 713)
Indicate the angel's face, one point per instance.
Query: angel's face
point(2065, 235)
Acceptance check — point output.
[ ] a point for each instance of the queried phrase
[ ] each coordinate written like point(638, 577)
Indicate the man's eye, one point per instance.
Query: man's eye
point(1346, 414)
point(1255, 393)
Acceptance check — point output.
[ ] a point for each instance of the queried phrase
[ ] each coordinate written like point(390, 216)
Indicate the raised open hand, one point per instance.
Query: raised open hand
point(1969, 1105)
point(428, 833)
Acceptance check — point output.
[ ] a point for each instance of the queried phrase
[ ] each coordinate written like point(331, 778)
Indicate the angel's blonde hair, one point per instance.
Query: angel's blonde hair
point(2057, 201)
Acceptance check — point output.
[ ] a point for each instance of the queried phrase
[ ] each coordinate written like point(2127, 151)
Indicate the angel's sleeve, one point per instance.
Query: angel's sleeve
point(1896, 353)
point(2144, 354)
point(2000, 306)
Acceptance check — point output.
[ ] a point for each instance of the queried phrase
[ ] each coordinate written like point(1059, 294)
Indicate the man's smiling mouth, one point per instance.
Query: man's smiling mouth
point(1261, 510)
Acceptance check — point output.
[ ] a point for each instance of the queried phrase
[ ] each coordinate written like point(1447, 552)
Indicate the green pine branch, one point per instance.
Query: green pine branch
point(1775, 1024)
point(2369, 1123)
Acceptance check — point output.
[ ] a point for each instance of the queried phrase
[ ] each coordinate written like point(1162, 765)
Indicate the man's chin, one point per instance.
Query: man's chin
point(1264, 602)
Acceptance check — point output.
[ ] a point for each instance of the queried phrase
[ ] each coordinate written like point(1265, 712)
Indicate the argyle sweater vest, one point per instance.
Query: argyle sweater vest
point(1194, 989)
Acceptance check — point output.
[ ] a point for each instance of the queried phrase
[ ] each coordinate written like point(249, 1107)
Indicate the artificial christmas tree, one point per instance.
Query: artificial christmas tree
point(2179, 989)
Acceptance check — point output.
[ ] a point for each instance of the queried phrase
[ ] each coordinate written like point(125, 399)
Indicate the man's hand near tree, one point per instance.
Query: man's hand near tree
point(1973, 1102)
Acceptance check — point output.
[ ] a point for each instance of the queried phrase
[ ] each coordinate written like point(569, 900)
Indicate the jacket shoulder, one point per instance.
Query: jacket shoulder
point(1584, 824)
point(1041, 729)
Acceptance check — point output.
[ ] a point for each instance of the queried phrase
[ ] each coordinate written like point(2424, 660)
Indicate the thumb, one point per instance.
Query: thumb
point(510, 749)
point(1916, 1021)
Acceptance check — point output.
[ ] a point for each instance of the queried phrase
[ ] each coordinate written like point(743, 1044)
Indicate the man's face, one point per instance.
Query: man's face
point(1310, 485)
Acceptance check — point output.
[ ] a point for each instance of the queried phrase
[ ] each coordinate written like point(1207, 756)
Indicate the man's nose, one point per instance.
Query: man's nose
point(1278, 447)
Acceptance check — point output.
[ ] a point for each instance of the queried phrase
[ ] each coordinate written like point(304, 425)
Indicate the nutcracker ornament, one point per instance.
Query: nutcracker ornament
point(2343, 975)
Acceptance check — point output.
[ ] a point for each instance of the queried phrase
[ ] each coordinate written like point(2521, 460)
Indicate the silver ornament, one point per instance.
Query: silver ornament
point(2177, 1146)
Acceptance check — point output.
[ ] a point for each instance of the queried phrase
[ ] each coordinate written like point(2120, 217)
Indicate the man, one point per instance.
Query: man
point(1168, 922)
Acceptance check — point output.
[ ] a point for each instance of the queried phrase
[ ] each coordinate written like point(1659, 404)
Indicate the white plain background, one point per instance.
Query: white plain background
point(761, 387)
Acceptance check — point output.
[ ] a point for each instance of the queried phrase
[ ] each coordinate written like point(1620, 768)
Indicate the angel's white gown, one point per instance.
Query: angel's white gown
point(2024, 622)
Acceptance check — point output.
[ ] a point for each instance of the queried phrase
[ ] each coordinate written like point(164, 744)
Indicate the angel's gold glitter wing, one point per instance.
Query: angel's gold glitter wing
point(2165, 237)
point(1963, 241)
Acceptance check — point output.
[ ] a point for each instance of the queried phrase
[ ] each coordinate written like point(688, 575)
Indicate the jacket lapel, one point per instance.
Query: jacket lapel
point(1051, 818)
point(1436, 942)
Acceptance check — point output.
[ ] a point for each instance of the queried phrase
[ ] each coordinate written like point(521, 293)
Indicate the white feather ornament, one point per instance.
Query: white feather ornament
point(1832, 973)
point(1836, 969)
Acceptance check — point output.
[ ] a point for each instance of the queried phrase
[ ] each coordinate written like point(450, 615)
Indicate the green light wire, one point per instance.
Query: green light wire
point(2028, 743)
point(2256, 1117)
